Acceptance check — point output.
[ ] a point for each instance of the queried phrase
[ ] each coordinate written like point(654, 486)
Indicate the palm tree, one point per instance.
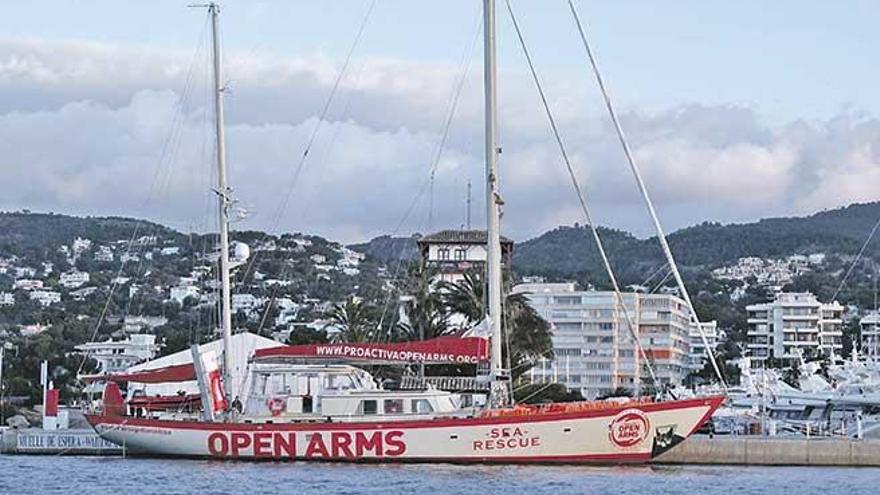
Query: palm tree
point(424, 309)
point(354, 319)
point(529, 334)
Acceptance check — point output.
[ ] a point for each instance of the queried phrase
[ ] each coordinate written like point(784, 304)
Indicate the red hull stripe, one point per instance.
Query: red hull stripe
point(711, 402)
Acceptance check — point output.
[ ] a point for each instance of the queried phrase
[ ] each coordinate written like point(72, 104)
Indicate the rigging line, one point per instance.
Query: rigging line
point(654, 274)
point(856, 260)
point(580, 194)
point(285, 201)
point(154, 183)
point(662, 281)
point(661, 236)
point(465, 64)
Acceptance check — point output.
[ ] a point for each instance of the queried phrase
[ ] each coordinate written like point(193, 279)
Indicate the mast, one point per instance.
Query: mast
point(223, 201)
point(468, 214)
point(499, 390)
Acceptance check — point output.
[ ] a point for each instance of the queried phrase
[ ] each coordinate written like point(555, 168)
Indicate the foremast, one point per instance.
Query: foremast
point(224, 200)
point(500, 376)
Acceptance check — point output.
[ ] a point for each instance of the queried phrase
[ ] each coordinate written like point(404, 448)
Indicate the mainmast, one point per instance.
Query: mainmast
point(499, 375)
point(224, 202)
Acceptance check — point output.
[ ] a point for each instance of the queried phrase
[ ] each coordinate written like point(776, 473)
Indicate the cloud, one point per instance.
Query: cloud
point(101, 129)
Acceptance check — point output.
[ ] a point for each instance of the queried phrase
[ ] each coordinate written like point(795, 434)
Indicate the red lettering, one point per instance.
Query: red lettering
point(373, 443)
point(517, 432)
point(536, 441)
point(395, 443)
point(316, 446)
point(262, 444)
point(218, 444)
point(240, 441)
point(288, 445)
point(478, 445)
point(340, 444)
point(494, 433)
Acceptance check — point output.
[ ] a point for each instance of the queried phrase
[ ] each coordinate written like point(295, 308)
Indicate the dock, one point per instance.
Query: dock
point(774, 451)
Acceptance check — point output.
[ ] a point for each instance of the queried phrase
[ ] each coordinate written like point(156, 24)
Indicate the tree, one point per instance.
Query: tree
point(308, 336)
point(425, 310)
point(528, 334)
point(355, 321)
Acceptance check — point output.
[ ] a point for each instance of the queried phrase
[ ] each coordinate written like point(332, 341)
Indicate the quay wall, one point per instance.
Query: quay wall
point(774, 451)
point(37, 441)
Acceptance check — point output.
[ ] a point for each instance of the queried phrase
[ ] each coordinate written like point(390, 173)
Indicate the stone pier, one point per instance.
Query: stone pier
point(774, 451)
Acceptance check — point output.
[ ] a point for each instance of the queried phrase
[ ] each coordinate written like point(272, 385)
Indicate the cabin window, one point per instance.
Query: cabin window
point(393, 406)
point(421, 406)
point(460, 254)
point(369, 407)
point(443, 253)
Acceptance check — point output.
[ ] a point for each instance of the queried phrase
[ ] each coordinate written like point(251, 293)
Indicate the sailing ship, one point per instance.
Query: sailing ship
point(313, 402)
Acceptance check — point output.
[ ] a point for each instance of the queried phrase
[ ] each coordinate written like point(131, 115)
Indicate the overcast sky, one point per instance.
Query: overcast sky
point(736, 111)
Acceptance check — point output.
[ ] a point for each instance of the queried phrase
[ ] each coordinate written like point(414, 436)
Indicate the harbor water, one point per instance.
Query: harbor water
point(114, 476)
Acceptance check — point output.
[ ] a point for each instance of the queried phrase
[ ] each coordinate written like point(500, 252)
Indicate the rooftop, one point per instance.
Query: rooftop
point(459, 237)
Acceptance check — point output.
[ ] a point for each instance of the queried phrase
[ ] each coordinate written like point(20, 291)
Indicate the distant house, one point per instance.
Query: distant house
point(45, 297)
point(245, 302)
point(80, 245)
point(139, 323)
point(454, 252)
point(27, 284)
point(7, 299)
point(31, 330)
point(74, 279)
point(81, 294)
point(104, 253)
point(181, 292)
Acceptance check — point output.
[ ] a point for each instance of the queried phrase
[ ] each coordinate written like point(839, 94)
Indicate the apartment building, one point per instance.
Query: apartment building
point(594, 349)
point(794, 324)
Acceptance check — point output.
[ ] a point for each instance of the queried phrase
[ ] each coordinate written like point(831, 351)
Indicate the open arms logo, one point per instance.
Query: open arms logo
point(629, 428)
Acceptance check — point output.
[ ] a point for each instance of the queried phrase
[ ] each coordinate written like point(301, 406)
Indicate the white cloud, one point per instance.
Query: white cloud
point(83, 127)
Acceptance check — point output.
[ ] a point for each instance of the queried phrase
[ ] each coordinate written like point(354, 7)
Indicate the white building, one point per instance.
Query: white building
point(181, 292)
point(45, 297)
point(698, 355)
point(139, 323)
point(104, 253)
point(794, 324)
point(114, 356)
point(7, 298)
point(454, 252)
point(245, 302)
point(25, 272)
point(170, 251)
point(31, 330)
point(74, 279)
point(593, 348)
point(81, 245)
point(27, 284)
point(81, 294)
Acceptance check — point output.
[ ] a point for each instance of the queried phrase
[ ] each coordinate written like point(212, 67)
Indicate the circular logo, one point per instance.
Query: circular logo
point(629, 428)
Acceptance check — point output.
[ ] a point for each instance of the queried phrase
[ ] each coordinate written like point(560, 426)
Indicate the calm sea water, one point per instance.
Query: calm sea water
point(116, 476)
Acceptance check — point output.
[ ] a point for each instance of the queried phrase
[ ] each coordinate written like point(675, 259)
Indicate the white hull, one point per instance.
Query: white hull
point(629, 433)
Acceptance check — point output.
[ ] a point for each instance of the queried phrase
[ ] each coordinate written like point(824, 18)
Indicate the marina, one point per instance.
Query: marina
point(297, 315)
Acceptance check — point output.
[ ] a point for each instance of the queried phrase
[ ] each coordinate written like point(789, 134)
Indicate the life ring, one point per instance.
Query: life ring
point(277, 405)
